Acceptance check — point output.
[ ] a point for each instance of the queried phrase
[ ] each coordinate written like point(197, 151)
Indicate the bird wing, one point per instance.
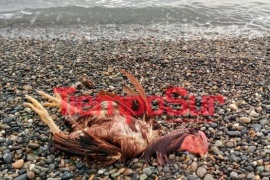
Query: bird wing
point(87, 145)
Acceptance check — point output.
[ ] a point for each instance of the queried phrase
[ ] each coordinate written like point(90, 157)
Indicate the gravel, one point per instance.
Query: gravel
point(238, 131)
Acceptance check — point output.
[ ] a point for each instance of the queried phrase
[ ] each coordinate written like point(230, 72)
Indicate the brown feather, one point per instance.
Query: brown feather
point(86, 145)
point(165, 144)
point(129, 91)
point(141, 92)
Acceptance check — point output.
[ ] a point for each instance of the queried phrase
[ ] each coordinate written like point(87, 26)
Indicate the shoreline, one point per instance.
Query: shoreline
point(118, 32)
point(237, 68)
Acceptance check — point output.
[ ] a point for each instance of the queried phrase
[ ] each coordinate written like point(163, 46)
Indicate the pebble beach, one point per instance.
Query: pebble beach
point(236, 68)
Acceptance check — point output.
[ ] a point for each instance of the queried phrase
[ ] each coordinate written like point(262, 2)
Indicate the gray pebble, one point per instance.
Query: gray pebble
point(208, 177)
point(8, 119)
point(234, 133)
point(251, 149)
point(166, 169)
point(215, 150)
point(218, 143)
point(33, 145)
point(250, 176)
point(143, 177)
point(67, 176)
point(260, 169)
point(21, 177)
point(201, 171)
point(233, 176)
point(264, 122)
point(265, 174)
point(192, 177)
point(147, 171)
point(8, 158)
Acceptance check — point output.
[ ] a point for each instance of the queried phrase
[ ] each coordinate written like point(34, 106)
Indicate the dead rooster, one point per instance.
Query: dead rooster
point(109, 137)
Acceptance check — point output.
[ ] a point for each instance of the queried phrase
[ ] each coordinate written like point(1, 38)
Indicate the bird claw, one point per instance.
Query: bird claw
point(42, 112)
point(53, 101)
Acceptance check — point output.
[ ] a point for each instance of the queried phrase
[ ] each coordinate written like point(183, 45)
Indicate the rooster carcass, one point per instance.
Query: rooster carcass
point(109, 137)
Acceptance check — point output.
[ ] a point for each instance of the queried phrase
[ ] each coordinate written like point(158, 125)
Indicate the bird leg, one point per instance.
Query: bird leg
point(58, 102)
point(43, 114)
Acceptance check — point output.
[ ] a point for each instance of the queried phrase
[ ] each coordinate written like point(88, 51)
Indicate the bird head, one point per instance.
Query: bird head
point(195, 142)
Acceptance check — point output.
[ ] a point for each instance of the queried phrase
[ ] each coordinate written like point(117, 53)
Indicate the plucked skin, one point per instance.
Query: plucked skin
point(109, 137)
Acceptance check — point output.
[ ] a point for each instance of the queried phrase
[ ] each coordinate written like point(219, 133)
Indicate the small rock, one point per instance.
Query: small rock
point(112, 88)
point(21, 177)
point(215, 150)
point(265, 174)
point(143, 177)
point(27, 87)
point(260, 169)
point(245, 119)
point(67, 176)
point(8, 158)
point(147, 171)
point(201, 171)
point(233, 107)
point(192, 177)
point(33, 145)
point(250, 176)
point(194, 166)
point(234, 133)
point(229, 144)
point(112, 171)
point(233, 176)
point(166, 169)
point(18, 164)
point(264, 122)
point(171, 156)
point(31, 175)
point(31, 157)
point(253, 114)
point(218, 143)
point(8, 119)
point(114, 175)
point(127, 172)
point(242, 176)
point(208, 177)
point(251, 149)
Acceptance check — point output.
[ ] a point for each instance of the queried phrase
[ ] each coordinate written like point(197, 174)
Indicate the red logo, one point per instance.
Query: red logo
point(175, 102)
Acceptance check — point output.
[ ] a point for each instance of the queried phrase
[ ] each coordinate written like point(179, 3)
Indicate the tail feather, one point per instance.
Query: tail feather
point(141, 92)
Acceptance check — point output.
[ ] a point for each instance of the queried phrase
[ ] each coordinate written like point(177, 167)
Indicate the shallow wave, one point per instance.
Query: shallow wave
point(196, 15)
point(175, 19)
